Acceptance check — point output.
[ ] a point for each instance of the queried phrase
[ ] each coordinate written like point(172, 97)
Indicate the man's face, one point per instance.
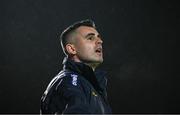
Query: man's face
point(88, 45)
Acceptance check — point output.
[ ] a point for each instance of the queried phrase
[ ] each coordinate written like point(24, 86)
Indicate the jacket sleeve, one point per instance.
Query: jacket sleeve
point(73, 96)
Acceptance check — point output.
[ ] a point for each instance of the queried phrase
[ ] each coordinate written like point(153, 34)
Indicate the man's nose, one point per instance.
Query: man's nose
point(99, 40)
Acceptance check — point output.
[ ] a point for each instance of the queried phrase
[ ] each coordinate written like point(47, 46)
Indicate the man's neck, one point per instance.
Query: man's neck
point(92, 65)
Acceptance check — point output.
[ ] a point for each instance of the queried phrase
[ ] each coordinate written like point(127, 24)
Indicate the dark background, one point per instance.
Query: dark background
point(140, 51)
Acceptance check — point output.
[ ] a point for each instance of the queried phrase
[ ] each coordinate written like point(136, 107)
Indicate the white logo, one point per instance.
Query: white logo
point(74, 79)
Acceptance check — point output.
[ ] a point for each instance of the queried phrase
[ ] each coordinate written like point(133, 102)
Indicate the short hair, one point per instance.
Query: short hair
point(64, 38)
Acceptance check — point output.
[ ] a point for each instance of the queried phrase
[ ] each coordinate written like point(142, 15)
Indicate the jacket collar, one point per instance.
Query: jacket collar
point(97, 78)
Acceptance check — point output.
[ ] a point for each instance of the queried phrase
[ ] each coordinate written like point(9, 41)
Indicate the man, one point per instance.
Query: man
point(78, 88)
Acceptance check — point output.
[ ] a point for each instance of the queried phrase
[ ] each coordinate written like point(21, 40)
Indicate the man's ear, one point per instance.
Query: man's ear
point(70, 48)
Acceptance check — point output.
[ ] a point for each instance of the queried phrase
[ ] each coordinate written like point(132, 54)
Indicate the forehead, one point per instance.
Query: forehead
point(85, 30)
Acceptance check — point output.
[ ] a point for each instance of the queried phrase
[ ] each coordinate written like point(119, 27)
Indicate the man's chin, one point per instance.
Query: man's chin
point(99, 61)
point(95, 61)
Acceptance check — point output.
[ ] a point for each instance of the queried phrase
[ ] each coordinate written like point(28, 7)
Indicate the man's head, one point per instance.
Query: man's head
point(82, 43)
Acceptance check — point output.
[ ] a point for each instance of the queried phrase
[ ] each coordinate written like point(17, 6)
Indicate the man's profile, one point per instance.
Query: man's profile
point(78, 88)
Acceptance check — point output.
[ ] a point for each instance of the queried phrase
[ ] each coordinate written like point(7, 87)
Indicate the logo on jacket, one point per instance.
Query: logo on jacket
point(74, 79)
point(93, 93)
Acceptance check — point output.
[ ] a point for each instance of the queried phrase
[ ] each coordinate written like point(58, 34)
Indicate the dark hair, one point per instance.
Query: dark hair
point(72, 28)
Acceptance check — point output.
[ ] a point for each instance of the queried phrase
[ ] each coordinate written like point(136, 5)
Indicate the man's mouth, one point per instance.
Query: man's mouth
point(98, 50)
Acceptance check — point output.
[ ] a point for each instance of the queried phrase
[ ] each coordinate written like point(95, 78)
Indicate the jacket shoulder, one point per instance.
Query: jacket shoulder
point(61, 78)
point(64, 79)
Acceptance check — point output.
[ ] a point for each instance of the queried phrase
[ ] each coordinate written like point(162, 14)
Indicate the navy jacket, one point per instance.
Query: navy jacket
point(76, 89)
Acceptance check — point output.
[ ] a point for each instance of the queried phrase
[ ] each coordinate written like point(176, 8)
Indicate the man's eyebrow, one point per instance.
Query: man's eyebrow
point(89, 34)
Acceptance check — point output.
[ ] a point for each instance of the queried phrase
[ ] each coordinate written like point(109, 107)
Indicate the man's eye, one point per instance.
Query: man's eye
point(90, 38)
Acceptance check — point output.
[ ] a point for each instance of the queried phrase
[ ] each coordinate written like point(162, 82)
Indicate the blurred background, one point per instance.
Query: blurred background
point(140, 51)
